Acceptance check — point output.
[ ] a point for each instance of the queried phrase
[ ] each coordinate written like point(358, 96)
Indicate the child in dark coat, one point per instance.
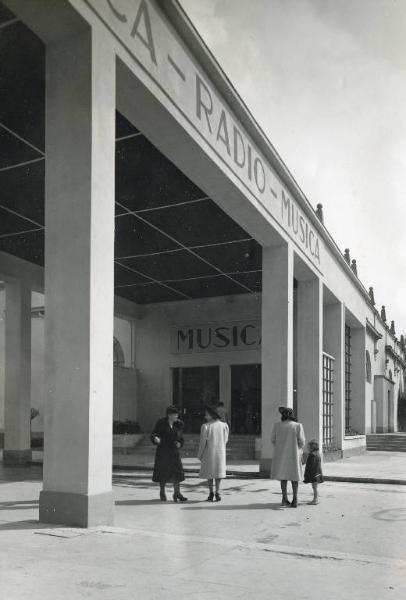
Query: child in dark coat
point(313, 473)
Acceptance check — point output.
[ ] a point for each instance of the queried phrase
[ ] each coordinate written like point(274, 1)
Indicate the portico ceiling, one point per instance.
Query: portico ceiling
point(172, 242)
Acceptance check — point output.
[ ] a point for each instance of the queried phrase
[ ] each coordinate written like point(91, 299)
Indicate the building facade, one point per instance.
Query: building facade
point(139, 185)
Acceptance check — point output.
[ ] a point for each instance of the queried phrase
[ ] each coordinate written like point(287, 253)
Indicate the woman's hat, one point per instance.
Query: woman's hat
point(287, 413)
point(214, 411)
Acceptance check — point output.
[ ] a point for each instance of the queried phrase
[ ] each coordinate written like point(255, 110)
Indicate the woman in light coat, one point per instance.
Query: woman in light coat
point(288, 440)
point(212, 451)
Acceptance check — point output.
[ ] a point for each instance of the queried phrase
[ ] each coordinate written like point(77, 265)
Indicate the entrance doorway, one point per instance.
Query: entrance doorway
point(390, 413)
point(193, 388)
point(246, 399)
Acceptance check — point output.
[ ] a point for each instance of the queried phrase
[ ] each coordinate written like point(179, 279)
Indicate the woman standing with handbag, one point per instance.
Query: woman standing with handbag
point(212, 451)
point(288, 440)
point(168, 438)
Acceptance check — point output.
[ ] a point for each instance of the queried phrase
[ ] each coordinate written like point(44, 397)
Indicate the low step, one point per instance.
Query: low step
point(386, 442)
point(239, 447)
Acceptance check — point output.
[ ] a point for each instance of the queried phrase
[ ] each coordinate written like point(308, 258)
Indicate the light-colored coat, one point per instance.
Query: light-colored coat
point(212, 450)
point(288, 440)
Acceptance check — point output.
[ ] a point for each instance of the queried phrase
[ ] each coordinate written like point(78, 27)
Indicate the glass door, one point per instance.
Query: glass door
point(193, 388)
point(246, 399)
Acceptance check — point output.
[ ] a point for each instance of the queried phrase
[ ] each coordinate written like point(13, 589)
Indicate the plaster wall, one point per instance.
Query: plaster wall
point(383, 387)
point(370, 415)
point(37, 372)
point(153, 347)
point(2, 358)
point(124, 394)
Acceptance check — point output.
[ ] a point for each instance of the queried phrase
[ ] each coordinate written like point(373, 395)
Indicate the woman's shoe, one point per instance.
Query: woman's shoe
point(293, 504)
point(179, 497)
point(218, 497)
point(210, 497)
point(285, 502)
point(162, 496)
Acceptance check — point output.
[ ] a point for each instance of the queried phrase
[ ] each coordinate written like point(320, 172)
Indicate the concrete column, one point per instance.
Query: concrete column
point(333, 344)
point(225, 387)
point(358, 379)
point(17, 388)
point(309, 357)
point(80, 150)
point(277, 342)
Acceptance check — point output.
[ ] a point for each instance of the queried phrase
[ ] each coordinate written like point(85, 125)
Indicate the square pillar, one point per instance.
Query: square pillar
point(79, 278)
point(358, 377)
point(277, 342)
point(333, 344)
point(225, 388)
point(309, 357)
point(17, 388)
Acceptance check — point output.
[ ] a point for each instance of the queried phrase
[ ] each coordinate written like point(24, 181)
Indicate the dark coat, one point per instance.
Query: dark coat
point(313, 472)
point(168, 465)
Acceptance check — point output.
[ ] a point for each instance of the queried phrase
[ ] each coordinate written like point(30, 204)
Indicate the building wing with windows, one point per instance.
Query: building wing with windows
point(162, 203)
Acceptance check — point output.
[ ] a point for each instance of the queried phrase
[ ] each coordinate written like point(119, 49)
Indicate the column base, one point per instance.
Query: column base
point(17, 457)
point(76, 510)
point(265, 467)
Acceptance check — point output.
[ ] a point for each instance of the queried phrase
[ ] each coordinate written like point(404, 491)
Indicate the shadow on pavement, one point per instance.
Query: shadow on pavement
point(217, 506)
point(23, 525)
point(153, 501)
point(20, 473)
point(18, 504)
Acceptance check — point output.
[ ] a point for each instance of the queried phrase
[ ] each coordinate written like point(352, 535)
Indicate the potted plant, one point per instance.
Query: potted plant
point(126, 435)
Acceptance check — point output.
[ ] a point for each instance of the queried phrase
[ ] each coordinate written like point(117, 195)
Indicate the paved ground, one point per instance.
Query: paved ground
point(352, 545)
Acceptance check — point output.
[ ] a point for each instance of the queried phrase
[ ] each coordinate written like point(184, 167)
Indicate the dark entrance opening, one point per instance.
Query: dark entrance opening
point(193, 388)
point(246, 399)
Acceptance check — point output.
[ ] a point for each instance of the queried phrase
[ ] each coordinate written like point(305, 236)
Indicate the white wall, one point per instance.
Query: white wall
point(154, 359)
point(2, 324)
point(37, 372)
point(124, 394)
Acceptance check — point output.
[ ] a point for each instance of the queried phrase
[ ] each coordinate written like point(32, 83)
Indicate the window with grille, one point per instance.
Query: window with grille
point(347, 379)
point(328, 403)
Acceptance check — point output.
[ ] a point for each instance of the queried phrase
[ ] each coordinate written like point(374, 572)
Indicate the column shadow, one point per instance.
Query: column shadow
point(18, 504)
point(252, 506)
point(24, 525)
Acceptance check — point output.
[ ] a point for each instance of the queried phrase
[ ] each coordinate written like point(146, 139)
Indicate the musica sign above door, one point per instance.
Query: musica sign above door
point(225, 337)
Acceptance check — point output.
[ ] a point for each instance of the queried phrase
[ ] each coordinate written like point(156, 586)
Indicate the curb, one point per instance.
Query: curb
point(382, 481)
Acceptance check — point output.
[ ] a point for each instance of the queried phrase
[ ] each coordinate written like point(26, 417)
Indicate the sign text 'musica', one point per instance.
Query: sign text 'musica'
point(226, 337)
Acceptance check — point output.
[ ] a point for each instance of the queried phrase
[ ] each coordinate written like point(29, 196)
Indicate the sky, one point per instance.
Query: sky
point(326, 80)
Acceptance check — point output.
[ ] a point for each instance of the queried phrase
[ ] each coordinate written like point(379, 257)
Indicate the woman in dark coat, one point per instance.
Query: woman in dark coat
point(168, 438)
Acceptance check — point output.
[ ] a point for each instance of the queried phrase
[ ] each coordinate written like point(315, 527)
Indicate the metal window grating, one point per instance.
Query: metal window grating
point(328, 403)
point(347, 379)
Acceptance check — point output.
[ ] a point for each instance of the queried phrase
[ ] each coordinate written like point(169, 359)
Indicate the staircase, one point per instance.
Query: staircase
point(387, 442)
point(239, 447)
